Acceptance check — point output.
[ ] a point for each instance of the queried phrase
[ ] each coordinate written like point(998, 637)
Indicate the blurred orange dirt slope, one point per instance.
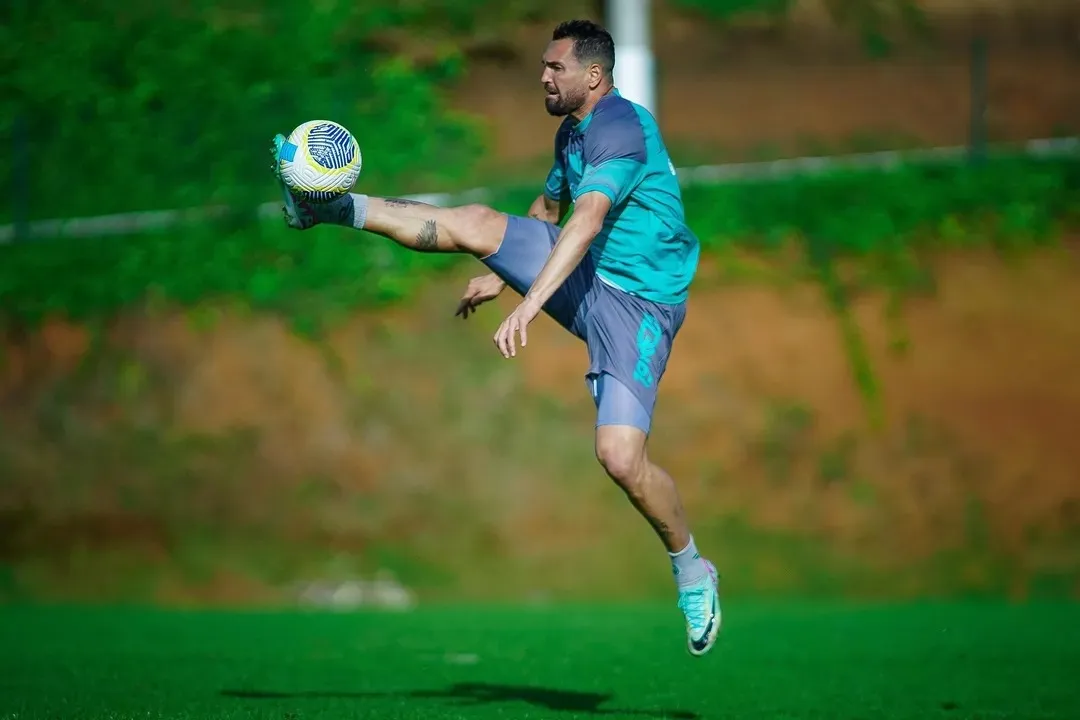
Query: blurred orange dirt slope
point(404, 423)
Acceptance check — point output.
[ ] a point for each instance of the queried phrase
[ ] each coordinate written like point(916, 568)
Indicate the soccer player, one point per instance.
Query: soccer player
point(615, 275)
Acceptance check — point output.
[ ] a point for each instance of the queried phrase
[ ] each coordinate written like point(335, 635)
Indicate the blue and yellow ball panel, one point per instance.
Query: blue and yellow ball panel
point(331, 146)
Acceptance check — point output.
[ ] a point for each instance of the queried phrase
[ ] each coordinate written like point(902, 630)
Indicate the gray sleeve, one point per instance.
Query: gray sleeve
point(614, 153)
point(615, 133)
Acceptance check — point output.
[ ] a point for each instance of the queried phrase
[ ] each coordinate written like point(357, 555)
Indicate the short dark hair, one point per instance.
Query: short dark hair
point(592, 43)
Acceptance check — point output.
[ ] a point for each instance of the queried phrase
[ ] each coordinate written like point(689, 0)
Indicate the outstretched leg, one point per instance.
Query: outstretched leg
point(473, 229)
point(513, 248)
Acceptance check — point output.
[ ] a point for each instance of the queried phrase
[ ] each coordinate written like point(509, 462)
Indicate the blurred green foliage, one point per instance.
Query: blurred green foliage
point(322, 274)
point(863, 212)
point(140, 107)
point(173, 105)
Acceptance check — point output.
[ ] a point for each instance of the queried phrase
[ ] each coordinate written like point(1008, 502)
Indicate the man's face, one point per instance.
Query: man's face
point(565, 80)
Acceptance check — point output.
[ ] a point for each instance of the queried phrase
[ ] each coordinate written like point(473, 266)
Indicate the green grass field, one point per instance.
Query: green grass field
point(826, 662)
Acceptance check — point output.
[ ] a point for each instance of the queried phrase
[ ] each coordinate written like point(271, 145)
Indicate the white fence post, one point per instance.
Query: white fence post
point(635, 68)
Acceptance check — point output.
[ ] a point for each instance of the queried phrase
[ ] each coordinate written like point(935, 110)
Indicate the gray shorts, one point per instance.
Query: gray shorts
point(629, 338)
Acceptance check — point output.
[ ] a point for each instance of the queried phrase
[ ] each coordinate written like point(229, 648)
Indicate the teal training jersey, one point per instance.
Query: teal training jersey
point(645, 247)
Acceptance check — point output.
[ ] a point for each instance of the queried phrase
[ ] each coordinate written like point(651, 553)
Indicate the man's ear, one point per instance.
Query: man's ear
point(596, 76)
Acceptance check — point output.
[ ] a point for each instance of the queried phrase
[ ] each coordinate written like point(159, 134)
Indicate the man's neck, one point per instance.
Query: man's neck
point(601, 92)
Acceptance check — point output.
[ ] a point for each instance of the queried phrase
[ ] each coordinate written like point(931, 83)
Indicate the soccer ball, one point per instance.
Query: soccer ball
point(319, 161)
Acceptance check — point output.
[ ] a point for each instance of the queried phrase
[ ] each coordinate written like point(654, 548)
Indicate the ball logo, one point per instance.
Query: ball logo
point(330, 146)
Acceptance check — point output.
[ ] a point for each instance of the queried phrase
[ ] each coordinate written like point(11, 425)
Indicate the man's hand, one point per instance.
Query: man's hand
point(479, 291)
point(516, 323)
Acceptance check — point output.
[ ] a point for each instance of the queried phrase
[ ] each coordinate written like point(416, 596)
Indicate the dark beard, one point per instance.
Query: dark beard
point(562, 105)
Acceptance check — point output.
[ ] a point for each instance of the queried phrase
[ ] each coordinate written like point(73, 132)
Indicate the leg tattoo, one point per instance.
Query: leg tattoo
point(402, 202)
point(428, 237)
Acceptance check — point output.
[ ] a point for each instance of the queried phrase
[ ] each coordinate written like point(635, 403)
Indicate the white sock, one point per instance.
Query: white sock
point(347, 211)
point(687, 565)
point(359, 203)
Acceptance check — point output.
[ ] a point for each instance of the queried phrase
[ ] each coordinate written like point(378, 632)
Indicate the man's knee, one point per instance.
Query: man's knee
point(477, 229)
point(621, 451)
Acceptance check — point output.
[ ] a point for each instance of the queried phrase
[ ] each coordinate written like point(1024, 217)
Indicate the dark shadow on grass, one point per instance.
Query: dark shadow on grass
point(481, 694)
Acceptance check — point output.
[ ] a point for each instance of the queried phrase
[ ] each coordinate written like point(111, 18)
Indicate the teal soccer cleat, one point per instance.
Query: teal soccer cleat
point(700, 604)
point(298, 214)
